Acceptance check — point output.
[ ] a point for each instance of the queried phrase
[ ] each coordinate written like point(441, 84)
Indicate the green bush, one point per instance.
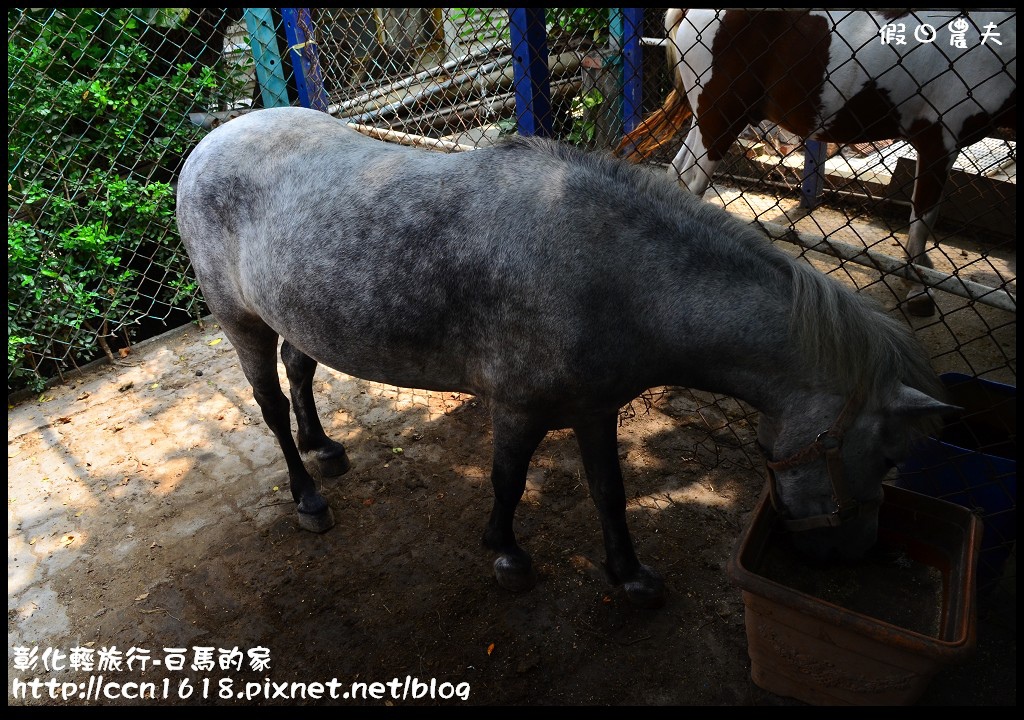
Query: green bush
point(97, 128)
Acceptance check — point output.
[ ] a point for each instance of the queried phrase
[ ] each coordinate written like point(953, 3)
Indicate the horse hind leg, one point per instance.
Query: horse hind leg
point(599, 447)
point(326, 458)
point(256, 348)
point(691, 166)
point(933, 167)
point(515, 440)
point(920, 302)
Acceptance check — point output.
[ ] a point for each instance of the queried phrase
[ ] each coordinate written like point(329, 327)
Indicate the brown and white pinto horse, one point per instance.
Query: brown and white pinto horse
point(840, 77)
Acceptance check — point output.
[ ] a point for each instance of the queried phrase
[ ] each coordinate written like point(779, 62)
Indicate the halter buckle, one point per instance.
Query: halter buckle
point(829, 440)
point(846, 511)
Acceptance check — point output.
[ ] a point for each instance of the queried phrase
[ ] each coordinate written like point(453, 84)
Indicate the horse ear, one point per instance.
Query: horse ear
point(912, 414)
point(910, 402)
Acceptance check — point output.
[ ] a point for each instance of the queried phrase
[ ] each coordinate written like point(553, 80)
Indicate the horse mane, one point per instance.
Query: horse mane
point(642, 184)
point(641, 180)
point(854, 340)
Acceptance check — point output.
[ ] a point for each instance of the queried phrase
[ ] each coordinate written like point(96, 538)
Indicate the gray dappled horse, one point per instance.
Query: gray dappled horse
point(555, 286)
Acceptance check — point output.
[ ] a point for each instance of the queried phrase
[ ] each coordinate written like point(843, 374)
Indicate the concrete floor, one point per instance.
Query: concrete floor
point(115, 475)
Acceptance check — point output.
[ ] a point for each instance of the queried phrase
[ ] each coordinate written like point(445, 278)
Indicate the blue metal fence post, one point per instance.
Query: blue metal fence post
point(528, 33)
point(267, 57)
point(813, 178)
point(305, 60)
point(629, 32)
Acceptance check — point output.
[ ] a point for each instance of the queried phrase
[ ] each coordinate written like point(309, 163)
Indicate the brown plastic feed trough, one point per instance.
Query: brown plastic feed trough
point(814, 634)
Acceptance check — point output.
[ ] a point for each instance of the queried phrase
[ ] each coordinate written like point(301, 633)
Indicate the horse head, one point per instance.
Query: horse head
point(826, 462)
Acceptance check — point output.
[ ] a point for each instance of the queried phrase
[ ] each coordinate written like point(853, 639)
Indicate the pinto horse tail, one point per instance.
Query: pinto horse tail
point(656, 130)
point(660, 126)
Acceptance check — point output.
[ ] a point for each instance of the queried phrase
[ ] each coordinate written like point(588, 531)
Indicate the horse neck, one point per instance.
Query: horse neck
point(760, 326)
point(735, 344)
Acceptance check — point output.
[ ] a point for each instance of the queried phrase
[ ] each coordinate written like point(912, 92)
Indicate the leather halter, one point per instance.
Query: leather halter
point(830, 445)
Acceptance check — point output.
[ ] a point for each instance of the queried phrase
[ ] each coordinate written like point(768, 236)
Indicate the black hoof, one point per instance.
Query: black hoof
point(329, 461)
point(315, 514)
point(921, 305)
point(644, 595)
point(514, 574)
point(645, 590)
point(317, 522)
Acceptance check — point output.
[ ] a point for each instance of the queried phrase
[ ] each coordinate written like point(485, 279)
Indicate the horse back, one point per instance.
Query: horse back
point(497, 271)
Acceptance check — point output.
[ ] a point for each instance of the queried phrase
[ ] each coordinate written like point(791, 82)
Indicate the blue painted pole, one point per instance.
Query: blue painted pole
point(267, 57)
point(813, 178)
point(632, 67)
point(528, 34)
point(309, 82)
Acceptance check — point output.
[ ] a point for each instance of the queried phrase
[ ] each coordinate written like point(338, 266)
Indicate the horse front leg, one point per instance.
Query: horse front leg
point(599, 446)
point(515, 440)
point(325, 457)
point(934, 162)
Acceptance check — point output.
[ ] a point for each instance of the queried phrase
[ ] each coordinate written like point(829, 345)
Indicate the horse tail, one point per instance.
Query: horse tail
point(659, 127)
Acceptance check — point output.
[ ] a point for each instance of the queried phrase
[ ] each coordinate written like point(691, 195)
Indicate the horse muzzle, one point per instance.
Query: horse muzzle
point(828, 445)
point(850, 528)
point(846, 508)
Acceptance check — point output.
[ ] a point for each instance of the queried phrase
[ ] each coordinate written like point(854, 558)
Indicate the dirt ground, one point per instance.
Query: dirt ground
point(148, 509)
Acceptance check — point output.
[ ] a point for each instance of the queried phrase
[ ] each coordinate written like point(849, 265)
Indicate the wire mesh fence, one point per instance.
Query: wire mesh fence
point(104, 105)
point(98, 125)
point(881, 98)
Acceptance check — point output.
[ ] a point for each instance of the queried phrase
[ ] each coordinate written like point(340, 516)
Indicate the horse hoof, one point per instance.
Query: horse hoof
point(647, 590)
point(330, 461)
point(921, 305)
point(317, 522)
point(513, 574)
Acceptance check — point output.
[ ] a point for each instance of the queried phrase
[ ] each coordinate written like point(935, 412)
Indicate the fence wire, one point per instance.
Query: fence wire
point(98, 126)
point(105, 104)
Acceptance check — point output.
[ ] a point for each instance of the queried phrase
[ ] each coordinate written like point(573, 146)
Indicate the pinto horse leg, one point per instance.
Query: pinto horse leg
point(325, 457)
point(256, 348)
point(691, 166)
point(599, 447)
point(514, 444)
point(934, 162)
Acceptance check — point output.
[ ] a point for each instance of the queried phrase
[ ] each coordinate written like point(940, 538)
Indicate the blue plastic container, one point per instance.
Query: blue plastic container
point(972, 461)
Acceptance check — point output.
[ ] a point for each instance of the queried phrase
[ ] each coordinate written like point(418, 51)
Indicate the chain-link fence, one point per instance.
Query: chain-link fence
point(879, 91)
point(98, 125)
point(104, 104)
